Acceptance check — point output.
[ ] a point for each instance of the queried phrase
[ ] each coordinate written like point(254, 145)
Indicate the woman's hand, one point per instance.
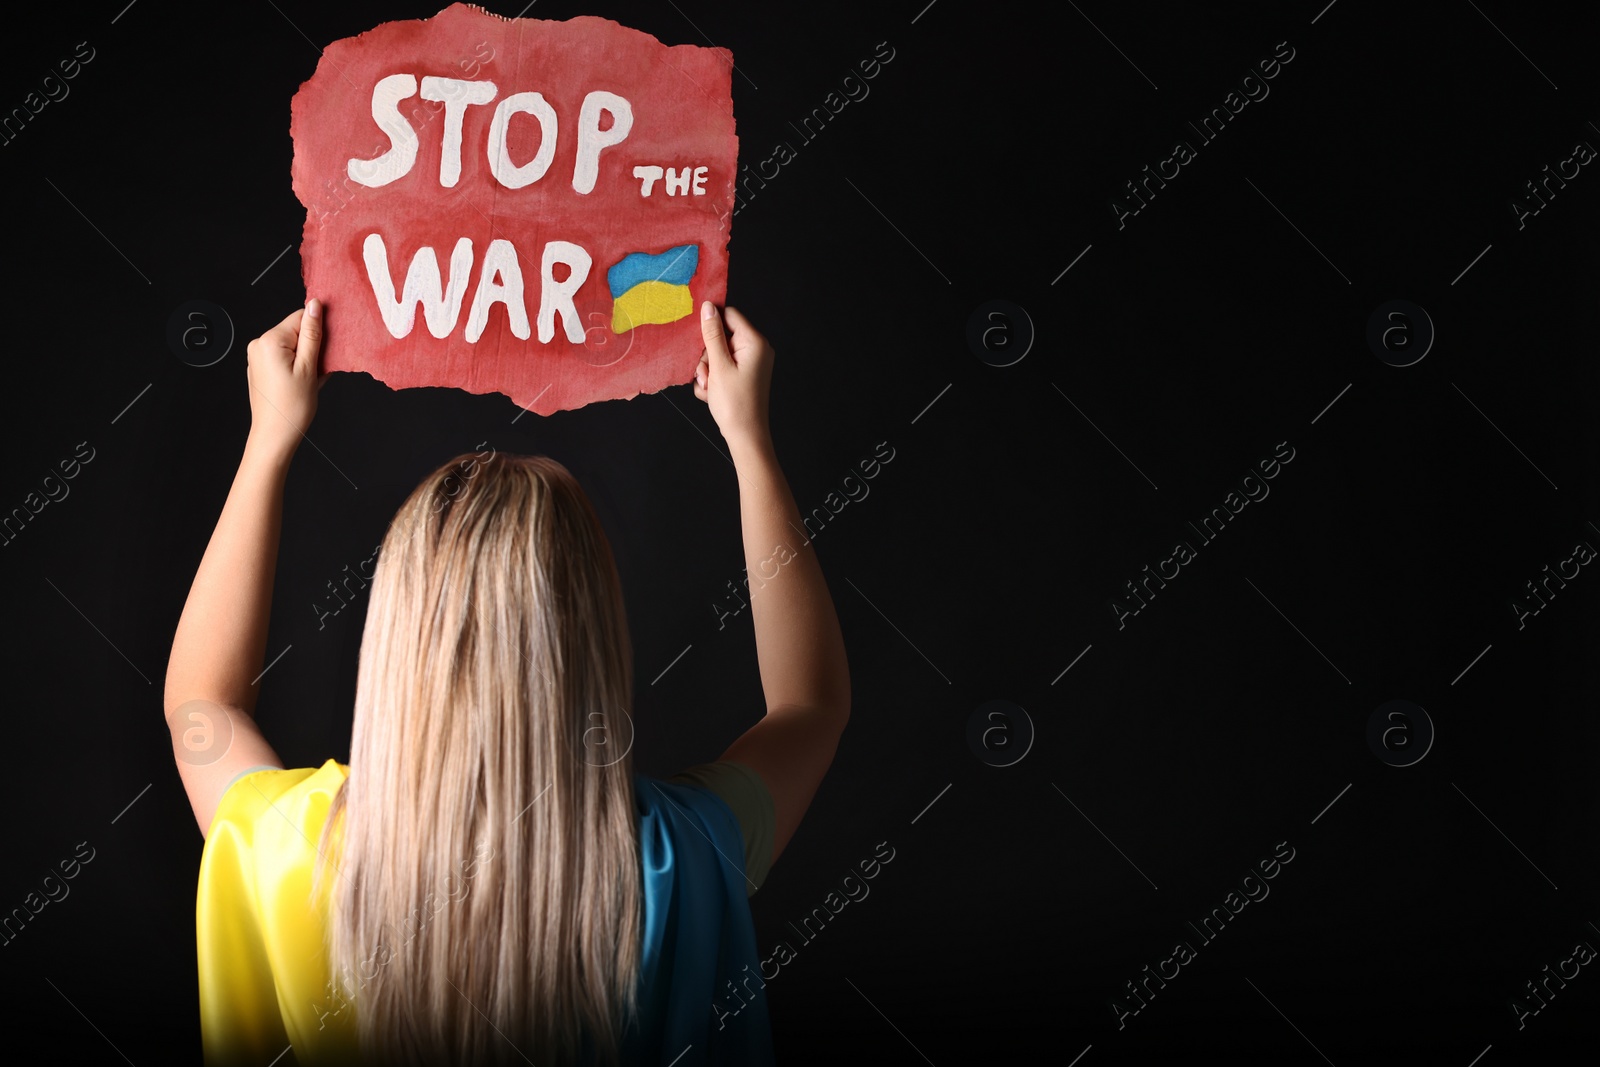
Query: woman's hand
point(282, 372)
point(735, 384)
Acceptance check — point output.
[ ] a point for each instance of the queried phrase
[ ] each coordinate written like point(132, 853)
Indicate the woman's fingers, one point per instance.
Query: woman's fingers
point(711, 329)
point(284, 336)
point(743, 333)
point(702, 377)
point(309, 343)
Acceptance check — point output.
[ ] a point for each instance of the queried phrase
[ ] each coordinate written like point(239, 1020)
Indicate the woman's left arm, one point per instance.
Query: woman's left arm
point(219, 649)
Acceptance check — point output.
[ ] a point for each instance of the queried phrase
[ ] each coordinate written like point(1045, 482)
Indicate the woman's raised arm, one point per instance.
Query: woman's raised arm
point(804, 674)
point(219, 648)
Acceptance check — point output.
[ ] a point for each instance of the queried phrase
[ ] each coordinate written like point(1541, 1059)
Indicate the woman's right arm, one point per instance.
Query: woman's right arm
point(799, 648)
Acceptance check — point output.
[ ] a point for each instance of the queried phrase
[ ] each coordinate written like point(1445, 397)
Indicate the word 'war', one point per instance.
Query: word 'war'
point(499, 282)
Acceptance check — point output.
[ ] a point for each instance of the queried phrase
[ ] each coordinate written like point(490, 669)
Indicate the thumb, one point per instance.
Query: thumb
point(711, 329)
point(309, 344)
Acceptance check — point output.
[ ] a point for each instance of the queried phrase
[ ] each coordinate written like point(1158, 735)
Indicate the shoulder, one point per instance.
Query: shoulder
point(739, 786)
point(261, 807)
point(739, 798)
point(256, 792)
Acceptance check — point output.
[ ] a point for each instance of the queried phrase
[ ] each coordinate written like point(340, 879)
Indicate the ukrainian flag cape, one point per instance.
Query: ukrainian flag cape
point(264, 979)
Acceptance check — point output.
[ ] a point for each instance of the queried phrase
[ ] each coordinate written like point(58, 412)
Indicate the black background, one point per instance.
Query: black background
point(1177, 751)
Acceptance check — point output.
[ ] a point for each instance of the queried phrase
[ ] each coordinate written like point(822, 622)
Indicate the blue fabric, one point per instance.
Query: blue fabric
point(698, 936)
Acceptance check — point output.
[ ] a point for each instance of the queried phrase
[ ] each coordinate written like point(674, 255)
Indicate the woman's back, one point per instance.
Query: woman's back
point(485, 881)
point(265, 982)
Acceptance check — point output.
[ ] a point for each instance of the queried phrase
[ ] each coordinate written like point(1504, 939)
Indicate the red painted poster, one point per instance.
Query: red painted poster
point(521, 206)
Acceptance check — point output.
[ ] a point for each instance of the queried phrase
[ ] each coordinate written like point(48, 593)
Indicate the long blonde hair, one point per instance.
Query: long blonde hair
point(491, 763)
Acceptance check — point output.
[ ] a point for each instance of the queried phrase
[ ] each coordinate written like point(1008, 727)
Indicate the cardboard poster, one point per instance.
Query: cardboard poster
point(521, 206)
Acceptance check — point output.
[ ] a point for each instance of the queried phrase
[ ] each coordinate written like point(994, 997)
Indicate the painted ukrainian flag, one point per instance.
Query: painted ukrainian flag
point(652, 289)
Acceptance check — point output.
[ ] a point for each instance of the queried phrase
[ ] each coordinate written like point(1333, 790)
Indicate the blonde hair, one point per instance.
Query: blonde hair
point(492, 702)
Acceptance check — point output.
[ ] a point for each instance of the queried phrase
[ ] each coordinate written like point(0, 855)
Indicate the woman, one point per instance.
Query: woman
point(488, 881)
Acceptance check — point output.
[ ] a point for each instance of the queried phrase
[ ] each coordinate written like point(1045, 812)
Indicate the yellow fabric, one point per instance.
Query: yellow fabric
point(650, 302)
point(264, 980)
